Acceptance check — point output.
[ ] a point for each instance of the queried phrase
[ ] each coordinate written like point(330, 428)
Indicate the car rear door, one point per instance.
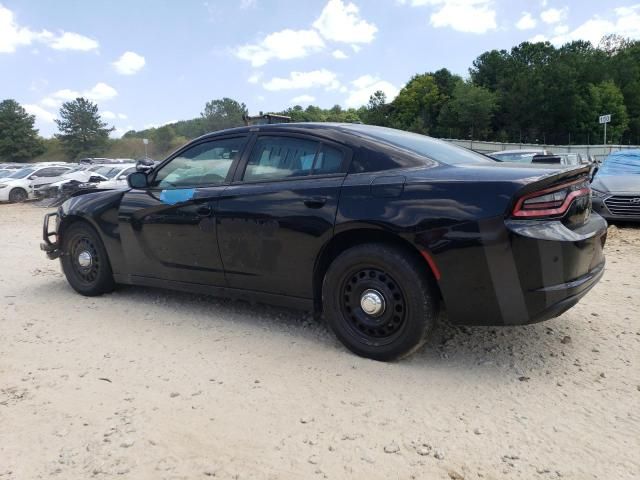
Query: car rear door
point(45, 176)
point(275, 217)
point(168, 230)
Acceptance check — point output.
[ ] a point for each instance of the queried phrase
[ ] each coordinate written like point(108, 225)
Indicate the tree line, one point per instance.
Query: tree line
point(533, 93)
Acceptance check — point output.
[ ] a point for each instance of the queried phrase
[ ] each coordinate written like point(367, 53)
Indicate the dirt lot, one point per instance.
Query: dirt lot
point(150, 384)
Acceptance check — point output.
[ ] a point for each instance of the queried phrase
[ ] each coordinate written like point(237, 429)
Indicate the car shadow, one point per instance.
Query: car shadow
point(522, 350)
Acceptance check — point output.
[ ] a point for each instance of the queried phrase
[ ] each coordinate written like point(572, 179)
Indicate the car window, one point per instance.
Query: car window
point(275, 157)
point(25, 172)
point(50, 172)
point(203, 164)
point(128, 171)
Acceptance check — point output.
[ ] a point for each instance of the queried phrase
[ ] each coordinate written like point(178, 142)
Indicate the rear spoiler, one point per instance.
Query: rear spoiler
point(557, 177)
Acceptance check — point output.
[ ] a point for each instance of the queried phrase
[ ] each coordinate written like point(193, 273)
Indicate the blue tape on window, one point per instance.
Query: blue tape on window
point(171, 197)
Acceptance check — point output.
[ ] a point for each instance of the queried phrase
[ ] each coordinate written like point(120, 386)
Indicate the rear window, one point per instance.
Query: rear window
point(419, 144)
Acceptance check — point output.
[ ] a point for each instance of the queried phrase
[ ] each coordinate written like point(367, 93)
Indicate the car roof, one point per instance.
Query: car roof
point(523, 151)
point(329, 130)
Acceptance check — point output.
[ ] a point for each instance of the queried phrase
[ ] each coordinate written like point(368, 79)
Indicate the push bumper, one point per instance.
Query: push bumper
point(51, 248)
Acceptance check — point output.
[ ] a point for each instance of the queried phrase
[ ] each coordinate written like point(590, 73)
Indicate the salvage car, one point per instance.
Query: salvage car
point(518, 156)
point(616, 186)
point(377, 229)
point(22, 184)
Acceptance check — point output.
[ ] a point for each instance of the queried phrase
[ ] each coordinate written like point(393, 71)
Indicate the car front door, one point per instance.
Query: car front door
point(168, 230)
point(278, 213)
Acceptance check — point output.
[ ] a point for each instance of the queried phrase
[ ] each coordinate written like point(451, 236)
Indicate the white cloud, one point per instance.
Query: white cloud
point(13, 35)
point(625, 22)
point(73, 41)
point(40, 113)
point(299, 80)
point(99, 92)
point(129, 63)
point(554, 15)
point(339, 54)
point(341, 22)
point(284, 45)
point(244, 4)
point(300, 99)
point(365, 86)
point(469, 16)
point(538, 38)
point(526, 22)
point(122, 116)
point(255, 77)
point(108, 115)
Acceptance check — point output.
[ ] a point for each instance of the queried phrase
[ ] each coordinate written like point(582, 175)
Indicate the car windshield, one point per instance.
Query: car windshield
point(422, 145)
point(621, 164)
point(519, 157)
point(5, 173)
point(108, 172)
point(25, 172)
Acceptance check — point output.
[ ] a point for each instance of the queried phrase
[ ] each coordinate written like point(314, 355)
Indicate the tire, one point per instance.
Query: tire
point(88, 275)
point(18, 195)
point(399, 324)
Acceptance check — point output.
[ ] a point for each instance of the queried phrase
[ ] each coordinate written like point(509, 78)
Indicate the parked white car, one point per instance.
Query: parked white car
point(22, 184)
point(116, 175)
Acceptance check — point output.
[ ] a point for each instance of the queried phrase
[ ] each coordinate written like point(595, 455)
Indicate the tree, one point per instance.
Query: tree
point(471, 109)
point(82, 131)
point(18, 138)
point(418, 105)
point(377, 110)
point(163, 138)
point(606, 98)
point(223, 113)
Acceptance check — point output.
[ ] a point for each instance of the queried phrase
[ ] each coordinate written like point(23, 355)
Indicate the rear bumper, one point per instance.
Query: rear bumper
point(525, 272)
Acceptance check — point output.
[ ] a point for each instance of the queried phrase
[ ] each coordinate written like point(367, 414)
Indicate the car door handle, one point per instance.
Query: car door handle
point(204, 211)
point(315, 202)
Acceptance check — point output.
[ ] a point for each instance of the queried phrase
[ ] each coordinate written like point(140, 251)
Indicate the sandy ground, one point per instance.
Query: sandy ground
point(147, 384)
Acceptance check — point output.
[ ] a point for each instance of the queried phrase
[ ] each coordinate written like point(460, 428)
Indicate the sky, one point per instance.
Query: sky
point(147, 63)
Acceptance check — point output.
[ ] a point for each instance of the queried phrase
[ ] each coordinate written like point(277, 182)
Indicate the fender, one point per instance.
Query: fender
point(100, 210)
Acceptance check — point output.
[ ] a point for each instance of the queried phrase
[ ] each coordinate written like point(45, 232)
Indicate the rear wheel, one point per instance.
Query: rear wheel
point(18, 195)
point(85, 262)
point(380, 301)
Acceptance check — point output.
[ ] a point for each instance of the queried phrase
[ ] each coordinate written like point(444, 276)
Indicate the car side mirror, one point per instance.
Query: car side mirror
point(137, 180)
point(32, 177)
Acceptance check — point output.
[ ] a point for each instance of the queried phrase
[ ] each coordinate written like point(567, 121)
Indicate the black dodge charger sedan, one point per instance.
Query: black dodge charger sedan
point(376, 228)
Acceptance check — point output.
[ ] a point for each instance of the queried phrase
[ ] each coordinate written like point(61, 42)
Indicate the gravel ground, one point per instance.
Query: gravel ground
point(145, 383)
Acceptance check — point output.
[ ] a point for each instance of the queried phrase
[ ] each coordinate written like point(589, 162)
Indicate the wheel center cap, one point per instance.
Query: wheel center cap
point(85, 259)
point(372, 302)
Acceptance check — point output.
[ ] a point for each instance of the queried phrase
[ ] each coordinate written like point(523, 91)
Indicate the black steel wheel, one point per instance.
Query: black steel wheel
point(381, 301)
point(84, 260)
point(18, 195)
point(373, 305)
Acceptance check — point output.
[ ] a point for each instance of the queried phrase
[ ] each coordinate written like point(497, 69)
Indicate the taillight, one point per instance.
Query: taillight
point(551, 202)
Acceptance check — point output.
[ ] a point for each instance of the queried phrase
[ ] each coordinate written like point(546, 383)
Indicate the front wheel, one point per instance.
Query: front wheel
point(85, 262)
point(380, 301)
point(18, 195)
